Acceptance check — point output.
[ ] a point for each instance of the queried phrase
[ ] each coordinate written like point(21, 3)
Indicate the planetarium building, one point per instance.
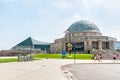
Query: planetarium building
point(84, 36)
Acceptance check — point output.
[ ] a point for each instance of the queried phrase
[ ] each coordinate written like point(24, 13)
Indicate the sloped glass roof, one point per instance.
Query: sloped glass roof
point(30, 42)
point(83, 26)
point(36, 42)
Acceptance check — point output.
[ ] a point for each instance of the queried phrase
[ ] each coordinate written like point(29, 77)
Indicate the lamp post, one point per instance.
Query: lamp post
point(30, 53)
point(70, 46)
point(46, 53)
point(99, 48)
point(74, 53)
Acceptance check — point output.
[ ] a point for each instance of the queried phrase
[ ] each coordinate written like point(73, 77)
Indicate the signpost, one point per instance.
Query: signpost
point(63, 54)
point(69, 45)
point(74, 58)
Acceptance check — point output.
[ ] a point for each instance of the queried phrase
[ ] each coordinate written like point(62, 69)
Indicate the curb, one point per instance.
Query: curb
point(67, 74)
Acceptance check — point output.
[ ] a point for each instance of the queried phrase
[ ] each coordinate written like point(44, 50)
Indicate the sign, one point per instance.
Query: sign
point(63, 54)
point(69, 45)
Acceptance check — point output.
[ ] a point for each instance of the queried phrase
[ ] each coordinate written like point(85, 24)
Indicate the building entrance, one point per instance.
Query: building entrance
point(95, 45)
point(78, 46)
point(105, 45)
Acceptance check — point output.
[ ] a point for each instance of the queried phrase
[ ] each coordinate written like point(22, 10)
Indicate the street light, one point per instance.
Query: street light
point(70, 46)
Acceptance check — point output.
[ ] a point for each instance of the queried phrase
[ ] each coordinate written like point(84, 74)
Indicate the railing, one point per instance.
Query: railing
point(108, 54)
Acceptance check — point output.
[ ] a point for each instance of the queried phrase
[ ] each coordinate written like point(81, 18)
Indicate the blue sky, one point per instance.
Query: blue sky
point(46, 20)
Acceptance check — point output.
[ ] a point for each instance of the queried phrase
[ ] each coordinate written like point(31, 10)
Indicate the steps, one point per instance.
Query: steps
point(108, 54)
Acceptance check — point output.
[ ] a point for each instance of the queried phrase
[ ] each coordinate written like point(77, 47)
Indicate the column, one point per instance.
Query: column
point(99, 46)
point(111, 44)
point(87, 45)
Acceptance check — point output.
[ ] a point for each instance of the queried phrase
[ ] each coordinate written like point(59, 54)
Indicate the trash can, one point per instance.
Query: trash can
point(63, 54)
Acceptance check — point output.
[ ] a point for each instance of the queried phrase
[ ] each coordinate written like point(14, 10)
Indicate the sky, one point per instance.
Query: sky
point(46, 20)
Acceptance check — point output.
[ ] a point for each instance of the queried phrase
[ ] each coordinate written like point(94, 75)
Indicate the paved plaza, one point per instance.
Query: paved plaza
point(45, 69)
point(94, 71)
point(51, 69)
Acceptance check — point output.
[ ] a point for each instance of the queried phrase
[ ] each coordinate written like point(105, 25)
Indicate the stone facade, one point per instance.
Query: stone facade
point(103, 42)
point(83, 41)
point(57, 46)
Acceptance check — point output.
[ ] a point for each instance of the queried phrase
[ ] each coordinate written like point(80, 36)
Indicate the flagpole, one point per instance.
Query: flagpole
point(70, 42)
point(72, 46)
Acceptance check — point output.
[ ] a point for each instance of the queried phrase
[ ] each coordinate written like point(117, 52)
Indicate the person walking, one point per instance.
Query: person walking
point(95, 57)
point(100, 57)
point(114, 58)
point(117, 56)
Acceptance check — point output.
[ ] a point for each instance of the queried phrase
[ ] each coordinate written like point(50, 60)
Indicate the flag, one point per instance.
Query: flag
point(66, 32)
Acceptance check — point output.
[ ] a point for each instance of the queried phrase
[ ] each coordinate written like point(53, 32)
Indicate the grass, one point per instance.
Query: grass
point(5, 60)
point(59, 56)
point(53, 56)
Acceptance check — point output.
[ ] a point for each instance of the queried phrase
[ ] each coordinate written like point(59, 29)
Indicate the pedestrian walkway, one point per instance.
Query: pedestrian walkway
point(92, 71)
point(45, 69)
point(98, 61)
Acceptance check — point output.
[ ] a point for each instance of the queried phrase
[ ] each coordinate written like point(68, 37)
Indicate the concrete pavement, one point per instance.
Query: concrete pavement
point(94, 71)
point(45, 69)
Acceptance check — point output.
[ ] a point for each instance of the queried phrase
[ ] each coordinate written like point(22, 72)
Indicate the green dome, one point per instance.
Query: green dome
point(83, 26)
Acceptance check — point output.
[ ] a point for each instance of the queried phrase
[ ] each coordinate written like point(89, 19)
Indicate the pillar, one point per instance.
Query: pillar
point(111, 44)
point(87, 45)
point(100, 46)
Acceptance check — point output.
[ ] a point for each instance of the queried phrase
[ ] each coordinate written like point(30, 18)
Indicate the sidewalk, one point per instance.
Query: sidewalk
point(98, 62)
point(46, 69)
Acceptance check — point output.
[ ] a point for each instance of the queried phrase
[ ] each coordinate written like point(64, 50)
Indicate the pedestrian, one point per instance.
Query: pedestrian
point(117, 56)
point(95, 57)
point(114, 58)
point(99, 57)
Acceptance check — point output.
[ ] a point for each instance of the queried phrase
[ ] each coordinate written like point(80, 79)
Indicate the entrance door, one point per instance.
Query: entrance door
point(95, 44)
point(78, 46)
point(105, 45)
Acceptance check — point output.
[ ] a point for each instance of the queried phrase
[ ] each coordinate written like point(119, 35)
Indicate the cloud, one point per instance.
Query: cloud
point(7, 1)
point(67, 4)
point(31, 1)
point(112, 32)
point(110, 5)
point(21, 1)
point(68, 21)
point(62, 4)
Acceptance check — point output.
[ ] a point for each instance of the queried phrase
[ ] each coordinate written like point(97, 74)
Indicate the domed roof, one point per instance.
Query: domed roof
point(83, 26)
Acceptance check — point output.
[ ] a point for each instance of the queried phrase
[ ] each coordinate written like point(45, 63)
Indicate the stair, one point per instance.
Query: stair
point(107, 54)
